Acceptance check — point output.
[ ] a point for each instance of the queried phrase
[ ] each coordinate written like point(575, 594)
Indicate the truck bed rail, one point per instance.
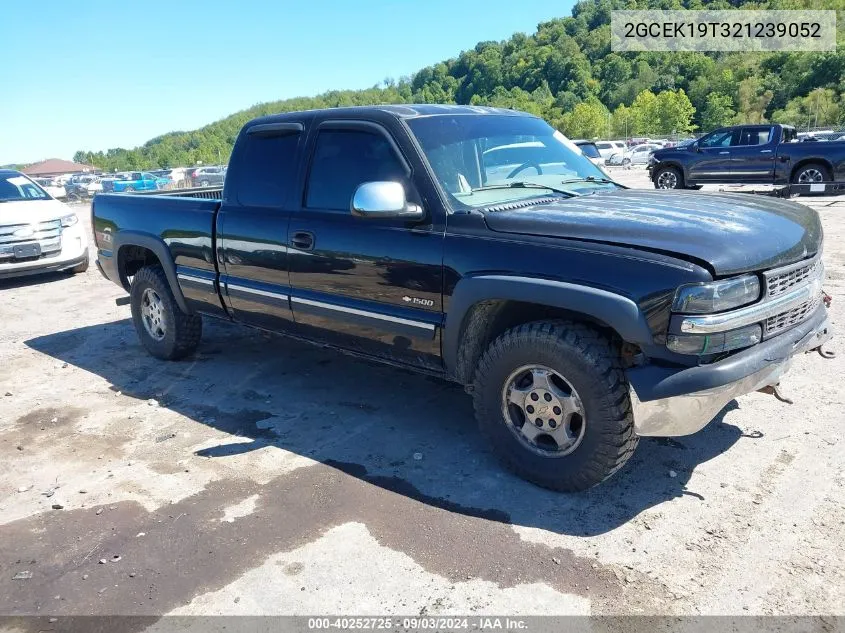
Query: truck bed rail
point(209, 193)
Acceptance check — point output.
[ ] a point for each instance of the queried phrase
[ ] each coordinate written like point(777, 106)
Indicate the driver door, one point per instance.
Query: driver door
point(713, 157)
point(369, 285)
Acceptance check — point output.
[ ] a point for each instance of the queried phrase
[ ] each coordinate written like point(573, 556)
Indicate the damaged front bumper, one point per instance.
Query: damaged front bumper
point(670, 402)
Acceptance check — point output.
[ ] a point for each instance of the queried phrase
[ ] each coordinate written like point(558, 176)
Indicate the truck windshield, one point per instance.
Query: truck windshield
point(476, 157)
point(16, 188)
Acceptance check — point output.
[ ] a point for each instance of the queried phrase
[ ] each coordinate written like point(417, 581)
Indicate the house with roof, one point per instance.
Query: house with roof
point(56, 167)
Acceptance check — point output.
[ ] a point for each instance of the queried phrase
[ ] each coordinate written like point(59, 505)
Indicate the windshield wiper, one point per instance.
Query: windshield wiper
point(521, 184)
point(588, 179)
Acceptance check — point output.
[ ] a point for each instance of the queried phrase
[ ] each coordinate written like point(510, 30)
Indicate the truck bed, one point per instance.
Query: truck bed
point(149, 221)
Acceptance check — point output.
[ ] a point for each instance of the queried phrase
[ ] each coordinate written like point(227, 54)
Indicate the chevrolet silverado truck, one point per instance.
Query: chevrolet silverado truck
point(38, 233)
point(748, 154)
point(579, 314)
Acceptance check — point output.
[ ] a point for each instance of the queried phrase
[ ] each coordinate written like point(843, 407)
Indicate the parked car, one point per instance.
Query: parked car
point(76, 187)
point(208, 176)
point(139, 181)
point(606, 148)
point(551, 299)
point(37, 232)
point(756, 154)
point(51, 187)
point(589, 149)
point(178, 176)
point(94, 186)
point(637, 155)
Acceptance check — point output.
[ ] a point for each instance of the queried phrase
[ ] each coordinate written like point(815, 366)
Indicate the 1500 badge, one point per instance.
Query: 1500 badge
point(418, 302)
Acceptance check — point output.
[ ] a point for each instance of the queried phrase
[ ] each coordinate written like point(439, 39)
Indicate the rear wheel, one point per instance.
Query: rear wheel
point(164, 330)
point(552, 399)
point(129, 190)
point(811, 173)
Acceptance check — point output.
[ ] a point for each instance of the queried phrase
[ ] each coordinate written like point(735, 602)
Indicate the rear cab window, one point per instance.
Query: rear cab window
point(267, 166)
point(756, 136)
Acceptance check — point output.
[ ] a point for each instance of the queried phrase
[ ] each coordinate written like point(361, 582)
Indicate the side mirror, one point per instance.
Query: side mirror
point(384, 199)
point(696, 147)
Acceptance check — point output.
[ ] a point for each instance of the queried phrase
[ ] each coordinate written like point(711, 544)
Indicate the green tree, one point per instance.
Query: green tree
point(752, 100)
point(588, 119)
point(717, 112)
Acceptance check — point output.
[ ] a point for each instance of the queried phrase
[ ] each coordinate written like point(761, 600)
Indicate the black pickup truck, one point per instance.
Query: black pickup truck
point(752, 154)
point(480, 245)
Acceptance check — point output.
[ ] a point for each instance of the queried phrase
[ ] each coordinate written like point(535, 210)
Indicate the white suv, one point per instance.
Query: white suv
point(606, 148)
point(37, 233)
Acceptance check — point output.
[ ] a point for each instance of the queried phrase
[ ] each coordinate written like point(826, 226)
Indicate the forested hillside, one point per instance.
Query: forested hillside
point(566, 73)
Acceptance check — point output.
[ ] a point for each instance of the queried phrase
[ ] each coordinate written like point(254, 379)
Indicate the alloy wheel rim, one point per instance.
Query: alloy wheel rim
point(152, 314)
point(543, 410)
point(811, 175)
point(667, 180)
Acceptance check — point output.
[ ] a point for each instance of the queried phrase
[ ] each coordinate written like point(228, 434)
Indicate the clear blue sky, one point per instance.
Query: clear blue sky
point(100, 74)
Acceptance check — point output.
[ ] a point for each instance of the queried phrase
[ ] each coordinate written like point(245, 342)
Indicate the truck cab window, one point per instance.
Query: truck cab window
point(271, 169)
point(343, 159)
point(755, 136)
point(723, 138)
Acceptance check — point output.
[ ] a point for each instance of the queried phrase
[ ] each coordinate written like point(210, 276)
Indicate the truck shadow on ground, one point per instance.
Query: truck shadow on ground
point(411, 434)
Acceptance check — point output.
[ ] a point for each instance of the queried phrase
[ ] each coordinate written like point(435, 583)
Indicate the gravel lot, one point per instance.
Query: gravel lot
point(266, 476)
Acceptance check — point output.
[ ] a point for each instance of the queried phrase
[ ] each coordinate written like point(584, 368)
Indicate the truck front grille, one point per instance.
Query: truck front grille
point(783, 280)
point(792, 317)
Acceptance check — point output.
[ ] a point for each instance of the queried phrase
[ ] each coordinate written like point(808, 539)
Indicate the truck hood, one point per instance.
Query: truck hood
point(31, 211)
point(729, 232)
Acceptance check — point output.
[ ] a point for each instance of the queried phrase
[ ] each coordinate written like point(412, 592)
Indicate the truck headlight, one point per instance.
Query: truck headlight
point(715, 343)
point(717, 296)
point(69, 220)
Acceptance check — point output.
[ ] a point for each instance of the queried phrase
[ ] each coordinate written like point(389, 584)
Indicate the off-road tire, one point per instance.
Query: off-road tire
point(183, 332)
point(592, 364)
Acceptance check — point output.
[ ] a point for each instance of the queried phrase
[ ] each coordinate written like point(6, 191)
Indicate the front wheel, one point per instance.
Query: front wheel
point(668, 178)
point(552, 400)
point(164, 330)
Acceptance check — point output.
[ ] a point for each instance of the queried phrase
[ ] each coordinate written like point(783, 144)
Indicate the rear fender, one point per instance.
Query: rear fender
point(159, 248)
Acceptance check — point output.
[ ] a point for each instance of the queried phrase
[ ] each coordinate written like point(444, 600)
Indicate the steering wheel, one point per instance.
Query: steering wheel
point(523, 166)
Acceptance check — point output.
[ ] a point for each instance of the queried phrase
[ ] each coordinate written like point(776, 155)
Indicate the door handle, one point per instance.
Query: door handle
point(721, 153)
point(765, 151)
point(303, 240)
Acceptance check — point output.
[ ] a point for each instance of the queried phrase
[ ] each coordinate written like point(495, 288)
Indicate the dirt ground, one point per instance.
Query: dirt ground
point(266, 476)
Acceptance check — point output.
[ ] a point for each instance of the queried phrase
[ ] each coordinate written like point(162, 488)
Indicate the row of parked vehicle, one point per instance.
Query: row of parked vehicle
point(74, 187)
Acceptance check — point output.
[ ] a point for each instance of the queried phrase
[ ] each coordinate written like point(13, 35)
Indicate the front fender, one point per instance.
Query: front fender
point(618, 312)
